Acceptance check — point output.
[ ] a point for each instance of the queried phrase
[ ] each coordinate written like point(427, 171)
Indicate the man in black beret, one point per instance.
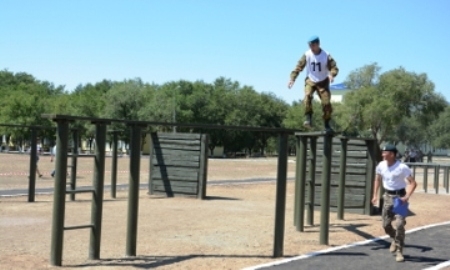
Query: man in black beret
point(394, 175)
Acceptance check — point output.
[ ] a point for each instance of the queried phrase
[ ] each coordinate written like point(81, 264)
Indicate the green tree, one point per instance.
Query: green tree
point(441, 130)
point(88, 100)
point(378, 109)
point(24, 100)
point(365, 76)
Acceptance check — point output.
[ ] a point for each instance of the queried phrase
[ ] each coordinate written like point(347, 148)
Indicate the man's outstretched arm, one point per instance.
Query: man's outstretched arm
point(299, 68)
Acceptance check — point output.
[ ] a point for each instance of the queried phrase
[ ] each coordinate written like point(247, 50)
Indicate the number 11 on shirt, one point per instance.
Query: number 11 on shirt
point(314, 64)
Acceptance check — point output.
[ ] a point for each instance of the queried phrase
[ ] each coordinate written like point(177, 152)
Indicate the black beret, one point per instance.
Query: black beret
point(390, 147)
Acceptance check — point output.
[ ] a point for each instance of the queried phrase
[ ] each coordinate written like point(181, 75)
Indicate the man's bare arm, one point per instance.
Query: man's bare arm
point(376, 188)
point(410, 188)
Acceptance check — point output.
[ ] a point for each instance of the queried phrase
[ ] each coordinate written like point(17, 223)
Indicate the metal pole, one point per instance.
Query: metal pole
point(312, 180)
point(326, 177)
point(33, 165)
point(280, 203)
point(133, 190)
point(425, 178)
point(73, 174)
point(99, 181)
point(342, 175)
point(114, 166)
point(59, 193)
point(301, 172)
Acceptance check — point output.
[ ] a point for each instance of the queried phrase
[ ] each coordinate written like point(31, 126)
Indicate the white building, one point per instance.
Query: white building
point(337, 92)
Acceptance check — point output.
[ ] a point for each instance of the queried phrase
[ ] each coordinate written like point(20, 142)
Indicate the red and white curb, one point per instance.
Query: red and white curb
point(361, 243)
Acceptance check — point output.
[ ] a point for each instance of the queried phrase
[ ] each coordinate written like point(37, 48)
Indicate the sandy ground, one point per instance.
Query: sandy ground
point(232, 229)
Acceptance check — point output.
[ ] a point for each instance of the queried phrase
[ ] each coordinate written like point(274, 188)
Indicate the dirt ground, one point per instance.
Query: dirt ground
point(14, 170)
point(232, 229)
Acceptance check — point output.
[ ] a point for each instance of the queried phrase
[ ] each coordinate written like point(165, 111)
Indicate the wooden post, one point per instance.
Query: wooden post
point(326, 182)
point(150, 170)
point(312, 180)
point(280, 202)
point(114, 165)
point(203, 174)
point(342, 175)
point(371, 164)
point(425, 178)
point(301, 182)
point(33, 166)
point(73, 173)
point(437, 171)
point(97, 201)
point(133, 189)
point(59, 193)
point(446, 180)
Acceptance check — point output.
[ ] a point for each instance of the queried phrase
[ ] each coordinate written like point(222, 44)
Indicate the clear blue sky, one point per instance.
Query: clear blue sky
point(254, 42)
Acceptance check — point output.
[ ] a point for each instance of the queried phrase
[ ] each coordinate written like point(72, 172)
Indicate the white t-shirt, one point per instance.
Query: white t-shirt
point(317, 65)
point(394, 177)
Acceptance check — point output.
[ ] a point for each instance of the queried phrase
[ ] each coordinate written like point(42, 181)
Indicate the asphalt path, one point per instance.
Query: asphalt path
point(423, 249)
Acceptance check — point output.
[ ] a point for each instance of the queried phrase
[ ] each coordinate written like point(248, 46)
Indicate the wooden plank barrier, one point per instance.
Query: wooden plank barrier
point(356, 174)
point(178, 164)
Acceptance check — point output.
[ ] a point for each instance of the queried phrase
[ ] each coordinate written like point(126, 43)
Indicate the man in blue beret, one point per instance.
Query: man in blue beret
point(398, 182)
point(321, 69)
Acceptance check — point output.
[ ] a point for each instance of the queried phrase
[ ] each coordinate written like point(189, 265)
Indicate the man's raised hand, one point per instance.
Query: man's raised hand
point(290, 84)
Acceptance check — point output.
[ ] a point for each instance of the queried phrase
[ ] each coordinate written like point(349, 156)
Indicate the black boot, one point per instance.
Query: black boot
point(308, 121)
point(327, 126)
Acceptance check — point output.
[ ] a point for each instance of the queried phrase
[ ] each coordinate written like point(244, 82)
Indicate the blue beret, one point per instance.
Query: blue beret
point(390, 147)
point(314, 39)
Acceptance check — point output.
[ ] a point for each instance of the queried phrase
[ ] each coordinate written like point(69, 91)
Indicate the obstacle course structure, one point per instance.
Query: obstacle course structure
point(346, 168)
point(178, 164)
point(136, 129)
point(344, 165)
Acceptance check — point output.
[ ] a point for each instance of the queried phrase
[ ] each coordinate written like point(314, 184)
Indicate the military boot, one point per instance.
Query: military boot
point(393, 247)
point(308, 121)
point(327, 126)
point(399, 257)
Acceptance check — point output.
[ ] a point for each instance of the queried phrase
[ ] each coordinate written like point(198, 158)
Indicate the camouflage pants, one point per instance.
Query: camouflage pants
point(323, 89)
point(396, 230)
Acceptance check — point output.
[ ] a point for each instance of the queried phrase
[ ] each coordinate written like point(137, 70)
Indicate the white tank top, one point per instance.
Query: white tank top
point(317, 68)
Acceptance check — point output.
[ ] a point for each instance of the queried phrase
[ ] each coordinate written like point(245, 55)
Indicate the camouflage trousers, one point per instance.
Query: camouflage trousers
point(393, 224)
point(323, 90)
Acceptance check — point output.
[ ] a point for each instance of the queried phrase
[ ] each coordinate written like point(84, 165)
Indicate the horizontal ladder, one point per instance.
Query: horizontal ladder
point(78, 227)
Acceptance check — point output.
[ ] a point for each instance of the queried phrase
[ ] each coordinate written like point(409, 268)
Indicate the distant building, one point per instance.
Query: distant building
point(338, 92)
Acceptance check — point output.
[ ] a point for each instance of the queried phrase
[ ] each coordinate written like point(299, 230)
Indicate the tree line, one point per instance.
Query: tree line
point(396, 106)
